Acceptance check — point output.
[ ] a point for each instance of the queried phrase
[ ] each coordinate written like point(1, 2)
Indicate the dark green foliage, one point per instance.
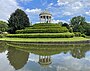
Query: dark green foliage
point(1, 35)
point(3, 26)
point(86, 27)
point(18, 20)
point(77, 23)
point(78, 34)
point(66, 25)
point(42, 35)
point(77, 20)
point(80, 25)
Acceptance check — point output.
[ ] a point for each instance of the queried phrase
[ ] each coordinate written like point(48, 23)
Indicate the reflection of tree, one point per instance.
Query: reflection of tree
point(3, 47)
point(79, 52)
point(17, 58)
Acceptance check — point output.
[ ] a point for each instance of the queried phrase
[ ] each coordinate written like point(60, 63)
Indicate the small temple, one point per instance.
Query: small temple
point(45, 17)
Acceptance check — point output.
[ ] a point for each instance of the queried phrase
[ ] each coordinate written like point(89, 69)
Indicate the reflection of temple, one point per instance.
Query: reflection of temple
point(45, 17)
point(17, 58)
point(45, 60)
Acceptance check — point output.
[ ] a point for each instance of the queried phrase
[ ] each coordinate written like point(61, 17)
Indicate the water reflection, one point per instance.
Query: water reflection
point(79, 52)
point(47, 58)
point(17, 58)
point(3, 47)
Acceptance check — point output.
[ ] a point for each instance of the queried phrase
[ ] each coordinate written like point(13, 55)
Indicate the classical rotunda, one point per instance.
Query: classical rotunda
point(45, 17)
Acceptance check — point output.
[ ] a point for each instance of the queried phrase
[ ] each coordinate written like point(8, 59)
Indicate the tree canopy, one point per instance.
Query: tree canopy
point(3, 26)
point(79, 24)
point(18, 20)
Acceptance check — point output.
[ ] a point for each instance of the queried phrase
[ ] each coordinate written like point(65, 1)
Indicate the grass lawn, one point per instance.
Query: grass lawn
point(45, 39)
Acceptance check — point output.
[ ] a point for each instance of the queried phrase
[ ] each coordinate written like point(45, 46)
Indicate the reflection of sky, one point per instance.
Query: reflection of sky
point(4, 63)
point(60, 62)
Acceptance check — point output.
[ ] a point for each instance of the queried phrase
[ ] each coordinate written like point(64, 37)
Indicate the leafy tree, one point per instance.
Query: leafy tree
point(60, 23)
point(77, 24)
point(86, 27)
point(79, 20)
point(66, 25)
point(18, 20)
point(3, 26)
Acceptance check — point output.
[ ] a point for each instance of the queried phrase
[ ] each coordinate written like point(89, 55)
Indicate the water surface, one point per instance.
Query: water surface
point(45, 58)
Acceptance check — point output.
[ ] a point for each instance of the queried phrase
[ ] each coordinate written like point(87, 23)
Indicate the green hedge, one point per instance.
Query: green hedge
point(49, 30)
point(42, 35)
point(43, 28)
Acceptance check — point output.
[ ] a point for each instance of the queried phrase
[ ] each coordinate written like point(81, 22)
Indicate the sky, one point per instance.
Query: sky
point(61, 10)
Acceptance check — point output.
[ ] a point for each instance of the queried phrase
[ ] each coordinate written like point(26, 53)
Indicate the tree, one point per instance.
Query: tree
point(3, 26)
point(77, 23)
point(60, 23)
point(79, 20)
point(66, 25)
point(18, 20)
point(86, 27)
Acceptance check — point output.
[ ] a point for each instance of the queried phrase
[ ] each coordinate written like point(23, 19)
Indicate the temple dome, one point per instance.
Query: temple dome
point(46, 12)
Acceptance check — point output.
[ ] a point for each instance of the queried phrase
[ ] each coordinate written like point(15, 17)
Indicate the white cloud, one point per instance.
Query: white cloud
point(77, 5)
point(62, 2)
point(35, 11)
point(50, 4)
point(44, 2)
point(26, 0)
point(88, 13)
point(57, 21)
point(72, 7)
point(33, 14)
point(7, 7)
point(67, 13)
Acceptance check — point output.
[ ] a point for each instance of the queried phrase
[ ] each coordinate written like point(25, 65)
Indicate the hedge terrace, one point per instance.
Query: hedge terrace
point(42, 35)
point(43, 28)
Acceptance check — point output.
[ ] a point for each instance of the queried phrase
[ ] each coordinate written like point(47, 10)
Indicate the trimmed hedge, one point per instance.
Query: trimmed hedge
point(42, 35)
point(49, 30)
point(43, 28)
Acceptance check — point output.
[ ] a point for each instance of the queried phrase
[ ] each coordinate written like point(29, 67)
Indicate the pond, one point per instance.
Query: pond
point(44, 58)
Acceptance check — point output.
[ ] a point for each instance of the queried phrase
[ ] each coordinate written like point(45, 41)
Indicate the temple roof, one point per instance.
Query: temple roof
point(45, 12)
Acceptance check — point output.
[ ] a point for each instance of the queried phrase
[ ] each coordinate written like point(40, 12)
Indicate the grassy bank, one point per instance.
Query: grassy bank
point(45, 39)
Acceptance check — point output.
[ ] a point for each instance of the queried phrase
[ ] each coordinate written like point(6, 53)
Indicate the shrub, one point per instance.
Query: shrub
point(1, 35)
point(83, 35)
point(78, 34)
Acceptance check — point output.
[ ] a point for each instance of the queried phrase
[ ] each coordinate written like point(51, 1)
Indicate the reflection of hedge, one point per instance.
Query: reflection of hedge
point(42, 35)
point(43, 28)
point(51, 49)
point(1, 35)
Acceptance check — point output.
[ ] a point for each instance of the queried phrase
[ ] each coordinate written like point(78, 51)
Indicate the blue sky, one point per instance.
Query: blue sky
point(61, 10)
